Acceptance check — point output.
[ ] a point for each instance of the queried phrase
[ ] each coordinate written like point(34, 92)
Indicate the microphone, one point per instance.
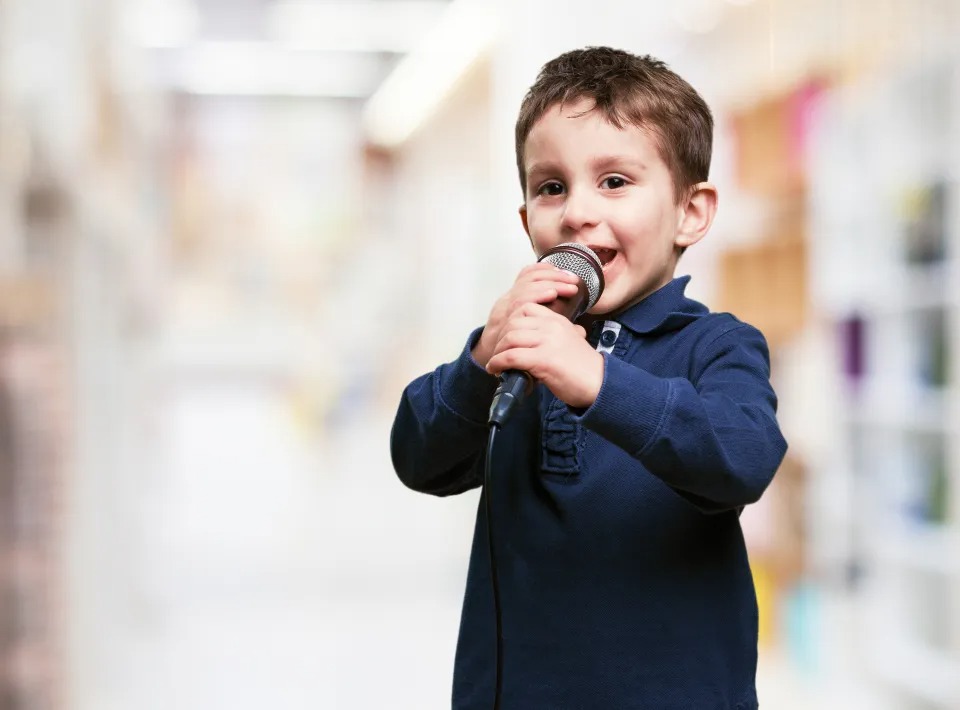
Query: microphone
point(581, 261)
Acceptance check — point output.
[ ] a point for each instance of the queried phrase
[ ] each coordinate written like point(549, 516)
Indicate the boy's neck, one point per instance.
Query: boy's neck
point(587, 320)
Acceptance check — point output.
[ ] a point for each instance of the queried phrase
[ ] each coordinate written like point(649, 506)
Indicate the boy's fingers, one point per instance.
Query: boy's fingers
point(518, 339)
point(537, 310)
point(518, 332)
point(530, 325)
point(522, 320)
point(534, 268)
point(554, 291)
point(537, 293)
point(534, 272)
point(557, 287)
point(524, 337)
point(514, 359)
point(540, 272)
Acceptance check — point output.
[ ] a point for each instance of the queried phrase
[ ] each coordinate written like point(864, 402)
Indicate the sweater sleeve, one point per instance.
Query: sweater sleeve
point(714, 440)
point(440, 429)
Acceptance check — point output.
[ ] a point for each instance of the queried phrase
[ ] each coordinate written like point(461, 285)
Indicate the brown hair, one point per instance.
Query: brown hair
point(627, 89)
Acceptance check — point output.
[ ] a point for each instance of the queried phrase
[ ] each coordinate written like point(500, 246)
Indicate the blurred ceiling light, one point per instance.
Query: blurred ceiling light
point(353, 25)
point(263, 69)
point(160, 24)
point(425, 76)
point(697, 16)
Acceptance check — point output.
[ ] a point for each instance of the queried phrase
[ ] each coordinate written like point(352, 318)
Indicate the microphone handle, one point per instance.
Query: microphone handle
point(515, 385)
point(571, 307)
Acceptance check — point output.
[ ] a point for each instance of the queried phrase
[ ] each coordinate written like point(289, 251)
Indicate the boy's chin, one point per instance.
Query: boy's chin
point(605, 307)
point(612, 304)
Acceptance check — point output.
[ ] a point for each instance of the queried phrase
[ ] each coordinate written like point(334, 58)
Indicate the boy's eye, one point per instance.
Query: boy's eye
point(613, 182)
point(551, 188)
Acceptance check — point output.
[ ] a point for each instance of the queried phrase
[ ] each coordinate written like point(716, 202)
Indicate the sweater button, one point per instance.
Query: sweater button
point(608, 338)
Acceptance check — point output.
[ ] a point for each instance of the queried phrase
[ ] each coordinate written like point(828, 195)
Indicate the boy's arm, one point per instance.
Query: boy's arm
point(715, 442)
point(440, 429)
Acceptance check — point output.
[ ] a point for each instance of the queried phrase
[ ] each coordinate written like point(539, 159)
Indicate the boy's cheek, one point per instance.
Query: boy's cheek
point(541, 241)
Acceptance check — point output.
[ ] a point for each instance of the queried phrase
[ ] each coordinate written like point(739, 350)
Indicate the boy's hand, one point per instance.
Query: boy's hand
point(553, 350)
point(536, 283)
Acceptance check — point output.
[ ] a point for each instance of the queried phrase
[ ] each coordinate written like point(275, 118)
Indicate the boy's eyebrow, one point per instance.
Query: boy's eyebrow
point(611, 161)
point(600, 162)
point(541, 168)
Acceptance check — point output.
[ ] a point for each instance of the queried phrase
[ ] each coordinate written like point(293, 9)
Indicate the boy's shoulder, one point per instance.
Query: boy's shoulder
point(696, 345)
point(671, 311)
point(718, 325)
point(714, 330)
point(690, 331)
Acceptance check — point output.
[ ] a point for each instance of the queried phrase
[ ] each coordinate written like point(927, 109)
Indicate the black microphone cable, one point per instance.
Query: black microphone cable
point(494, 580)
point(514, 388)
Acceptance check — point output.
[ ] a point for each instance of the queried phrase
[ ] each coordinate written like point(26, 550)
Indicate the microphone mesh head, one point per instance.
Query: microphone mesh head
point(583, 262)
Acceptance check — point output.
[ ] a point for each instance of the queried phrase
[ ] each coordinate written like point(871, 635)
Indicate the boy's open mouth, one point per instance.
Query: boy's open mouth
point(605, 255)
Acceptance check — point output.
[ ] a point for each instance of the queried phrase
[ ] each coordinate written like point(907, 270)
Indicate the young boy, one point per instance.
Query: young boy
point(617, 485)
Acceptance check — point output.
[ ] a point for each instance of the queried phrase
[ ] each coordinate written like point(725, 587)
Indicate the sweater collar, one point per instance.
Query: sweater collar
point(665, 309)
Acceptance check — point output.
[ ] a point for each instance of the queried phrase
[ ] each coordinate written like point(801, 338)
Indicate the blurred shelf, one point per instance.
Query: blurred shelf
point(931, 547)
point(893, 406)
point(926, 286)
point(905, 288)
point(888, 279)
point(26, 300)
point(923, 672)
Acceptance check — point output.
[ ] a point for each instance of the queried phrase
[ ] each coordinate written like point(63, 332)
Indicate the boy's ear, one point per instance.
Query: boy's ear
point(523, 218)
point(526, 227)
point(696, 214)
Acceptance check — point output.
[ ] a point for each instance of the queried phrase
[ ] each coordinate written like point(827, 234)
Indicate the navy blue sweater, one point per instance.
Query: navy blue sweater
point(623, 572)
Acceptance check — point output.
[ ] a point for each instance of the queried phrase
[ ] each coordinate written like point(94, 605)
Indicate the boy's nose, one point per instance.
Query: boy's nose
point(579, 211)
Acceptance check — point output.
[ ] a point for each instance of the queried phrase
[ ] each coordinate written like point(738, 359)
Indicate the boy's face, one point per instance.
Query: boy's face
point(607, 188)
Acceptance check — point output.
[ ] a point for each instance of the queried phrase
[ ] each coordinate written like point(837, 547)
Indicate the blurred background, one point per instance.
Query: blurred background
point(231, 231)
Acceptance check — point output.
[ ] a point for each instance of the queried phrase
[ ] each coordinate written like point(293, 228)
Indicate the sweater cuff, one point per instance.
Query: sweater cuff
point(465, 387)
point(630, 407)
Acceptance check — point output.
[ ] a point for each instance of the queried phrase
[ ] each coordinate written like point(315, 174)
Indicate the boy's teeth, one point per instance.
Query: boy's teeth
point(605, 255)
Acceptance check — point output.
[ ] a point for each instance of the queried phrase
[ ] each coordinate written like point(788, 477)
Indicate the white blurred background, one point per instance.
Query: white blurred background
point(231, 231)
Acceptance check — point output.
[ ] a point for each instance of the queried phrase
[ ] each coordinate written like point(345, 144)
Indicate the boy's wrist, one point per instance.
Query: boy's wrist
point(591, 383)
point(480, 353)
point(466, 388)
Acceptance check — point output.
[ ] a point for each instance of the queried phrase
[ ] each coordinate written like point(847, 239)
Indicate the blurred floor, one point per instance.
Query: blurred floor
point(315, 581)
